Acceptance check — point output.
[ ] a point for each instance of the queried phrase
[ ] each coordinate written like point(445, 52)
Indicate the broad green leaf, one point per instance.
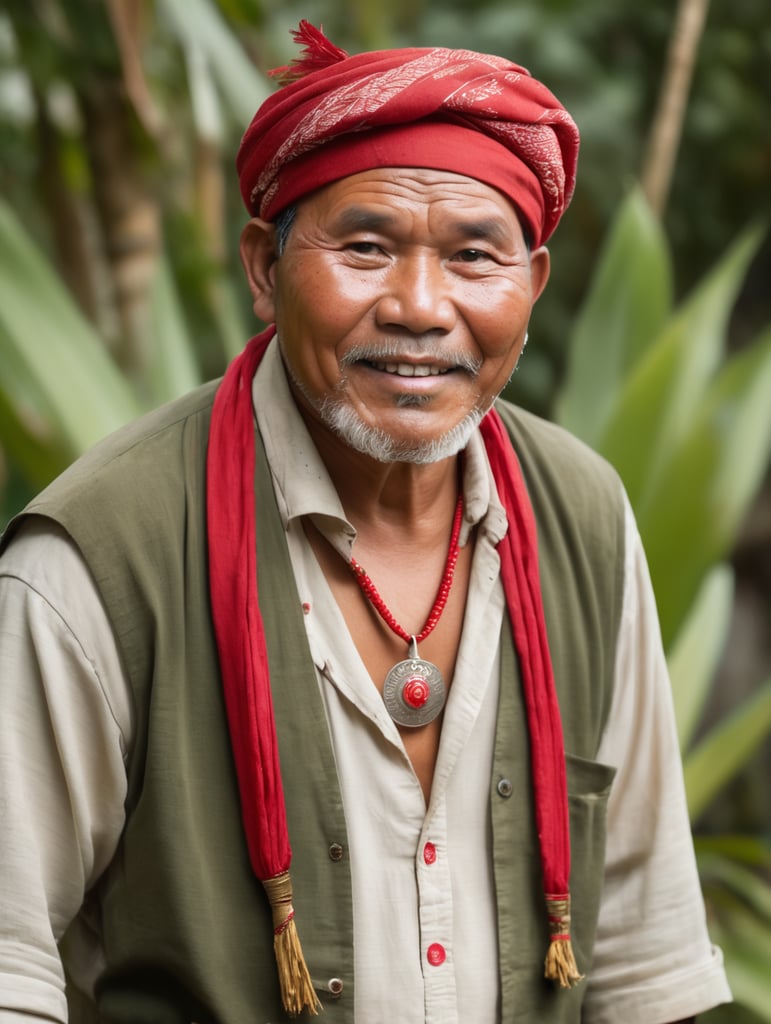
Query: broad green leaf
point(743, 390)
point(627, 305)
point(657, 403)
point(726, 749)
point(225, 309)
point(746, 944)
point(751, 850)
point(697, 649)
point(173, 369)
point(38, 455)
point(204, 98)
point(706, 484)
point(199, 24)
point(731, 1013)
point(53, 352)
point(748, 885)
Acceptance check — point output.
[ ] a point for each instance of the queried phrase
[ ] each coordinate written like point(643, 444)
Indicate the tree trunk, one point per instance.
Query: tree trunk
point(129, 214)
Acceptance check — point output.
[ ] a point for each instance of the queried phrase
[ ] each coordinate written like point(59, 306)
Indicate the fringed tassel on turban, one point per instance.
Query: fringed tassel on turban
point(318, 53)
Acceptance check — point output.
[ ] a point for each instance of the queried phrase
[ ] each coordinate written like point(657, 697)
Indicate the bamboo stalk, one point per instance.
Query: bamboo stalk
point(667, 126)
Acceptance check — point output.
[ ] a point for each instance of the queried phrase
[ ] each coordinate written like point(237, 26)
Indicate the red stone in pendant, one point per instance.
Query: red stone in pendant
point(416, 691)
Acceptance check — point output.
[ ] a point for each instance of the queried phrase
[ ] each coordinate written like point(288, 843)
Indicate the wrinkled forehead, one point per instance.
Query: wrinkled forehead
point(397, 200)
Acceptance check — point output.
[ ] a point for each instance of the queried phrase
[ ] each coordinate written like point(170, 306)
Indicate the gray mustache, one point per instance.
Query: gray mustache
point(403, 350)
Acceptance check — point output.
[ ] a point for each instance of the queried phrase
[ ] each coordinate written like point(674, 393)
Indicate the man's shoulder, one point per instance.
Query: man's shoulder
point(140, 435)
point(132, 468)
point(573, 490)
point(140, 440)
point(542, 441)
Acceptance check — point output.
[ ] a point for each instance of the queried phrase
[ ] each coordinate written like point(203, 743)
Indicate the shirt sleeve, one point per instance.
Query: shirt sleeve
point(62, 773)
point(654, 962)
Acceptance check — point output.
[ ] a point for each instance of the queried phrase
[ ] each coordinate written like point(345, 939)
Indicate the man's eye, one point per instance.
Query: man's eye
point(471, 255)
point(364, 248)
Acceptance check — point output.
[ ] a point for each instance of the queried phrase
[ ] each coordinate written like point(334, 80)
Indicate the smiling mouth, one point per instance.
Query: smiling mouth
point(410, 369)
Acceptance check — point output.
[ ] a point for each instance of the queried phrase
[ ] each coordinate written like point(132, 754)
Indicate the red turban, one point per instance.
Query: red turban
point(450, 110)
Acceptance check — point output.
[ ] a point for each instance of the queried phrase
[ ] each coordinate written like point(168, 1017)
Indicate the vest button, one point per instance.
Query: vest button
point(429, 853)
point(335, 986)
point(505, 788)
point(335, 852)
point(436, 954)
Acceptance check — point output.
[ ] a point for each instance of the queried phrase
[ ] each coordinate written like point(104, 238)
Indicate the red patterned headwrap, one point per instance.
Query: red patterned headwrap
point(451, 110)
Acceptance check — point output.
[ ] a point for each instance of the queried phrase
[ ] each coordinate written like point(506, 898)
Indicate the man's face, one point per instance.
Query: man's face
point(401, 303)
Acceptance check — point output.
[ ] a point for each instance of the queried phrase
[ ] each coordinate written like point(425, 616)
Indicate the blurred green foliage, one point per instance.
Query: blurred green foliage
point(652, 386)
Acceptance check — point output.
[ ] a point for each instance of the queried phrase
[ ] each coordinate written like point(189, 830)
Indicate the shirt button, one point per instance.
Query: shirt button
point(335, 852)
point(436, 954)
point(335, 986)
point(429, 853)
point(505, 787)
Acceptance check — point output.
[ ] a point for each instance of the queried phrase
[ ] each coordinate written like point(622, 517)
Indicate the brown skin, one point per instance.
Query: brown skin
point(419, 260)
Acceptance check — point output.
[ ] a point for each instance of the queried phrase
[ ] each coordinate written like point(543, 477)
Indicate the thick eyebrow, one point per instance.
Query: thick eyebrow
point(488, 229)
point(357, 218)
point(485, 229)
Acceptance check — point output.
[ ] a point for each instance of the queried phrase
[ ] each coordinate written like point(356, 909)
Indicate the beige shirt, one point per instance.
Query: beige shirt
point(421, 875)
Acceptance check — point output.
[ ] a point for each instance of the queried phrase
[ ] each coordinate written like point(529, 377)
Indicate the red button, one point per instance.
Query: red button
point(435, 954)
point(429, 853)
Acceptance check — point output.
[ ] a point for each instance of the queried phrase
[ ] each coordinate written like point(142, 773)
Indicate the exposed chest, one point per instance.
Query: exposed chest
point(408, 584)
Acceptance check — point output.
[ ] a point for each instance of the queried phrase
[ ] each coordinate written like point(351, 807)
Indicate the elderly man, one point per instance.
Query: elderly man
point(346, 613)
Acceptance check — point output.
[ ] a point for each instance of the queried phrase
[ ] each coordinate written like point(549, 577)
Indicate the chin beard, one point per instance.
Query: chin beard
point(379, 445)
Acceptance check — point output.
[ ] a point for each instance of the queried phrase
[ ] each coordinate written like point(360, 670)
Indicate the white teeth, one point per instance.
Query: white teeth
point(409, 369)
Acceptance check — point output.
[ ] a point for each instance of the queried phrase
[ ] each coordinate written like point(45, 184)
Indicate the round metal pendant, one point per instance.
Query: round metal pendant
point(414, 692)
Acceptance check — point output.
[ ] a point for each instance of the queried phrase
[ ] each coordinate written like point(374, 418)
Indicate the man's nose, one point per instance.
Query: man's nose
point(417, 296)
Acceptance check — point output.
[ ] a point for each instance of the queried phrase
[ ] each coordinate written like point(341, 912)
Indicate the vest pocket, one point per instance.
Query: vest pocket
point(589, 784)
point(590, 779)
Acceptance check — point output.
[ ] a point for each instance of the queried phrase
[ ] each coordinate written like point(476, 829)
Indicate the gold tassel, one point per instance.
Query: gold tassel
point(560, 964)
point(297, 991)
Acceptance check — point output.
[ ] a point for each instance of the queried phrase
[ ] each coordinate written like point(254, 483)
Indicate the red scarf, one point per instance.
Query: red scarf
point(246, 680)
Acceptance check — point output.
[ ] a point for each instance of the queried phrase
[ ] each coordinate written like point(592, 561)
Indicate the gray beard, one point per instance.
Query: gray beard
point(378, 445)
point(336, 413)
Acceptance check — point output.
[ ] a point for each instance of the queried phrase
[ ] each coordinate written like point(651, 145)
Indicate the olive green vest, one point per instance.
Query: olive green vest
point(185, 924)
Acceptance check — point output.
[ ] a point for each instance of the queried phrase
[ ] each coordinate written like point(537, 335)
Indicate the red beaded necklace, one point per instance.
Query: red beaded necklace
point(414, 691)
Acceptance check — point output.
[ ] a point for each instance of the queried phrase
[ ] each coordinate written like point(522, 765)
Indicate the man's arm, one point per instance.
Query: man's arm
point(62, 778)
point(653, 960)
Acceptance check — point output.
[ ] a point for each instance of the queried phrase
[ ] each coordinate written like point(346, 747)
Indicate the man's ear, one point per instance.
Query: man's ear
point(258, 256)
point(540, 267)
